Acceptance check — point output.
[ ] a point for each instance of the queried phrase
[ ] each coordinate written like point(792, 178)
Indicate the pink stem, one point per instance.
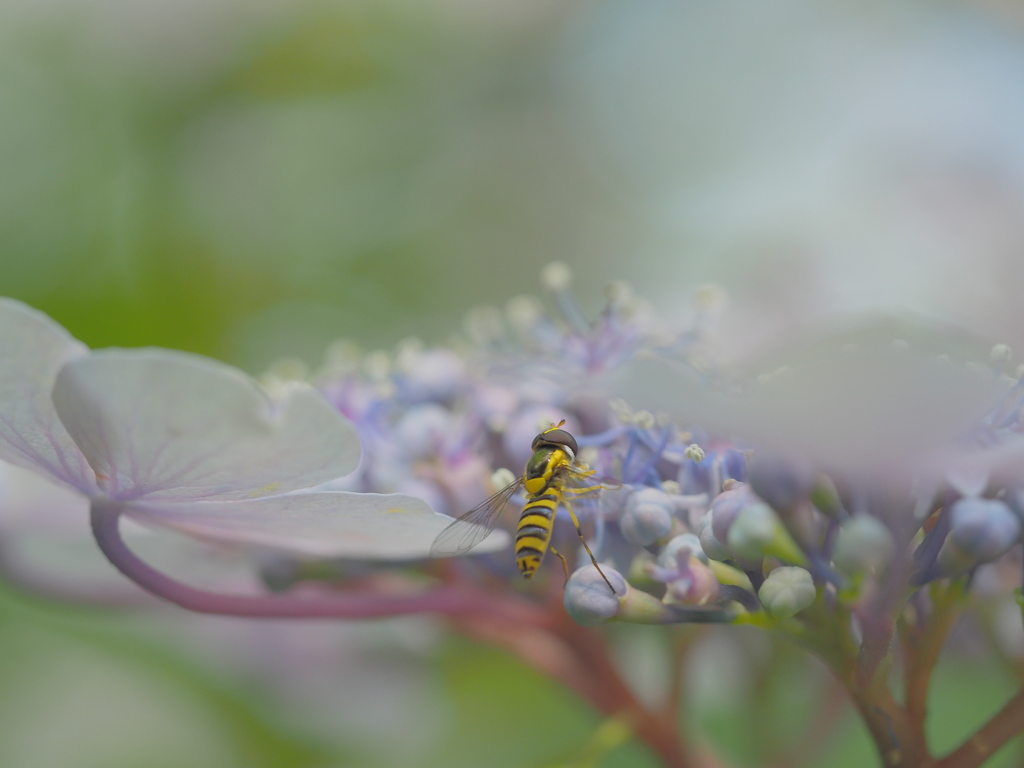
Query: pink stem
point(446, 600)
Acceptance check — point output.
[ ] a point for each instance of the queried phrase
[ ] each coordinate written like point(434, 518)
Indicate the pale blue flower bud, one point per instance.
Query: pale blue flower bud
point(647, 517)
point(709, 544)
point(726, 507)
point(864, 545)
point(681, 546)
point(980, 531)
point(587, 597)
point(787, 591)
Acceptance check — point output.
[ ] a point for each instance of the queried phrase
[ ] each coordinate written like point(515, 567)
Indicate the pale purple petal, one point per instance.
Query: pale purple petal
point(366, 526)
point(168, 425)
point(33, 348)
point(30, 501)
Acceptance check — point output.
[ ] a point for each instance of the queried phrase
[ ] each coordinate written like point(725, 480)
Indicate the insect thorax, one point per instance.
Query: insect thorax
point(541, 468)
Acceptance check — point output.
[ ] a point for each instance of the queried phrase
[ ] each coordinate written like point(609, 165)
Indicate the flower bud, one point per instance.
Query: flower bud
point(787, 591)
point(757, 531)
point(980, 531)
point(726, 507)
point(709, 543)
point(783, 483)
point(587, 598)
point(752, 531)
point(647, 517)
point(681, 546)
point(825, 497)
point(694, 584)
point(864, 545)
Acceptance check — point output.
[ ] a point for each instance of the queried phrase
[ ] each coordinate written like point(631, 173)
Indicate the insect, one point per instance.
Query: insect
point(552, 474)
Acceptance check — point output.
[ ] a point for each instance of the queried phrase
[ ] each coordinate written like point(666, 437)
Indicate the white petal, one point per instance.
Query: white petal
point(33, 348)
point(332, 524)
point(29, 500)
point(168, 425)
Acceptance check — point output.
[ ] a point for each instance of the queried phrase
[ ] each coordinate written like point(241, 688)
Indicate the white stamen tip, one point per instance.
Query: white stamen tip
point(671, 487)
point(694, 453)
point(556, 276)
point(644, 419)
point(523, 312)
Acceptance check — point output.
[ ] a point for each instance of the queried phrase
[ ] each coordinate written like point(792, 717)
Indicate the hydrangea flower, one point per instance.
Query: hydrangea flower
point(173, 440)
point(844, 491)
point(838, 476)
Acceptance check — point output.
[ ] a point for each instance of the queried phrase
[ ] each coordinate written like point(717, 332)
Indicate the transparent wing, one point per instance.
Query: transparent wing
point(472, 528)
point(582, 488)
point(583, 481)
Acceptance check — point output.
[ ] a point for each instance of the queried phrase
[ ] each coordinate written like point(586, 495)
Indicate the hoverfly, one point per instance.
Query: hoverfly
point(552, 473)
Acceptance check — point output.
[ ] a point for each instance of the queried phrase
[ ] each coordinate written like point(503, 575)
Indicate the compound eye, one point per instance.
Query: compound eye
point(561, 438)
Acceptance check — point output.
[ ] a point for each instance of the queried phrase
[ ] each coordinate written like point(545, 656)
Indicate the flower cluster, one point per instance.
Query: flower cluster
point(844, 491)
point(175, 441)
point(716, 512)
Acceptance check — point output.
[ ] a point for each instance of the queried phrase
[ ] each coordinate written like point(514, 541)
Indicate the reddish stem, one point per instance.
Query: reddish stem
point(658, 729)
point(923, 641)
point(362, 604)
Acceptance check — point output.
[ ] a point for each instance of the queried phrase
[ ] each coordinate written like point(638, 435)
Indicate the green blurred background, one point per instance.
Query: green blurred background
point(252, 180)
point(256, 179)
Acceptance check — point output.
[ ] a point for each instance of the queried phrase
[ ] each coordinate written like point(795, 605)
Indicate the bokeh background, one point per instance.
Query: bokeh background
point(254, 179)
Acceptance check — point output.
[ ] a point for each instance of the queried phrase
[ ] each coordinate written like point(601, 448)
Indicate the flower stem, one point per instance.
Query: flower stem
point(922, 643)
point(362, 604)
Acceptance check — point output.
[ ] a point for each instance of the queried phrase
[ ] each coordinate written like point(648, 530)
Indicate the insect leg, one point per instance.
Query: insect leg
point(588, 489)
point(565, 563)
point(576, 522)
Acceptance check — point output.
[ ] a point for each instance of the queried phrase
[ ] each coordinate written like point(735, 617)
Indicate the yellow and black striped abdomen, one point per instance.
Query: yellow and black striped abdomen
point(534, 532)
